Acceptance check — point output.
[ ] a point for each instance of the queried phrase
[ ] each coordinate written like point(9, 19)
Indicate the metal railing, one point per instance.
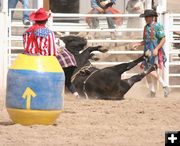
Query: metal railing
point(170, 23)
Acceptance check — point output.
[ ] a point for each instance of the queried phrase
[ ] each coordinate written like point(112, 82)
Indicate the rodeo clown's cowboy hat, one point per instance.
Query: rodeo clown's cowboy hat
point(149, 13)
point(40, 15)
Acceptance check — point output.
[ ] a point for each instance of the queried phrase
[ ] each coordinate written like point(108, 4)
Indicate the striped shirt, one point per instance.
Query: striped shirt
point(39, 40)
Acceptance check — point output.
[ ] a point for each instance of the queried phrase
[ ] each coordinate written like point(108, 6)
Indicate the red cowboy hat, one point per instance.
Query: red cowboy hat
point(40, 15)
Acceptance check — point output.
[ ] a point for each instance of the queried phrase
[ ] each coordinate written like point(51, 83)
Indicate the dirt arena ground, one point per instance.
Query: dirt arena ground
point(136, 121)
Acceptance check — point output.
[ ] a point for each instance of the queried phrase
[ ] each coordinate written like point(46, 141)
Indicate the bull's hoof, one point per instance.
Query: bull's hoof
point(102, 49)
point(94, 57)
point(150, 69)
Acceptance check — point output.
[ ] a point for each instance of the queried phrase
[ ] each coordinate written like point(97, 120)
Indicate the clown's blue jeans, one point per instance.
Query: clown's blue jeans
point(12, 4)
point(95, 20)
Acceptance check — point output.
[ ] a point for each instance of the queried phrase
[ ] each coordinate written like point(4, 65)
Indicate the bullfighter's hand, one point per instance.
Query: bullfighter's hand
point(155, 52)
point(134, 46)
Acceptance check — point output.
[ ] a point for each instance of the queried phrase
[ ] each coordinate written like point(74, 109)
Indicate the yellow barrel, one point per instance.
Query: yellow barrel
point(34, 93)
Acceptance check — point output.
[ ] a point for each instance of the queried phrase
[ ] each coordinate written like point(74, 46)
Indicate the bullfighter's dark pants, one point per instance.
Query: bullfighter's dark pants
point(68, 71)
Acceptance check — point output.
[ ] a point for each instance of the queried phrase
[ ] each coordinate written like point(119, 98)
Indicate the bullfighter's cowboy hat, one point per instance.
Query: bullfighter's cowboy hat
point(40, 15)
point(149, 13)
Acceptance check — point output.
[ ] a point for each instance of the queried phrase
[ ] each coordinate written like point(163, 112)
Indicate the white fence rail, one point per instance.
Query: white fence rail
point(171, 23)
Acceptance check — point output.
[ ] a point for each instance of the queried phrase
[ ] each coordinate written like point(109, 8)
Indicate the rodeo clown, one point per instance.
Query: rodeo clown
point(153, 41)
point(39, 40)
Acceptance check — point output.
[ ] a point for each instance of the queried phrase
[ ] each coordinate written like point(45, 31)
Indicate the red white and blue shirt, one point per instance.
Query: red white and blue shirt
point(39, 40)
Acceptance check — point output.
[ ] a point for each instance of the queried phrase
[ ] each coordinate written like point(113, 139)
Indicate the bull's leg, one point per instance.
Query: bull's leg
point(86, 55)
point(140, 76)
point(121, 68)
point(83, 58)
point(96, 48)
point(135, 62)
point(91, 49)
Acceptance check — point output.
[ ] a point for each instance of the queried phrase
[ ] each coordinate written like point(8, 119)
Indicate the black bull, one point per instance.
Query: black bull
point(103, 83)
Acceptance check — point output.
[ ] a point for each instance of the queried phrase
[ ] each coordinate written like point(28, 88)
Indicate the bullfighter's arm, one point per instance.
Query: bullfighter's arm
point(134, 46)
point(159, 46)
